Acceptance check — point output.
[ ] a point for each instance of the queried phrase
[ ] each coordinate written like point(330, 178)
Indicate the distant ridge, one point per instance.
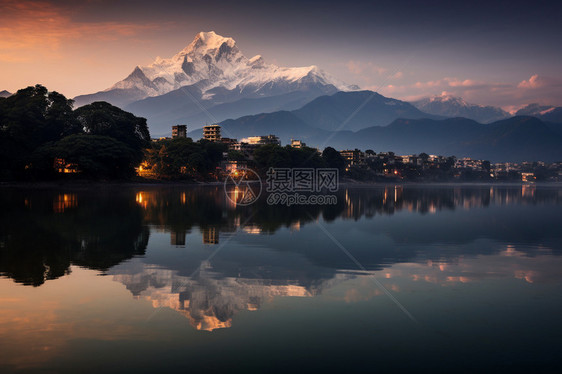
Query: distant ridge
point(516, 139)
point(356, 110)
point(544, 112)
point(452, 106)
point(5, 93)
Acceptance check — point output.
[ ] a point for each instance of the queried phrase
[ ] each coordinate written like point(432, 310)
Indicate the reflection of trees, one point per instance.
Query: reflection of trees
point(180, 209)
point(43, 233)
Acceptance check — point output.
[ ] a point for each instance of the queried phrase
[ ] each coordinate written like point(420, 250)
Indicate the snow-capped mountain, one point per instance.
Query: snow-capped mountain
point(212, 61)
point(452, 106)
point(5, 93)
point(212, 70)
point(544, 112)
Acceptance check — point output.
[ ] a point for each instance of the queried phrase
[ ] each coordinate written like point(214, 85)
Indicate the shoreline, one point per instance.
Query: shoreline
point(85, 184)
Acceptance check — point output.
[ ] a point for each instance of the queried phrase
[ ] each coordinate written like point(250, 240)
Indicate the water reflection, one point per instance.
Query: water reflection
point(43, 233)
point(208, 300)
point(160, 242)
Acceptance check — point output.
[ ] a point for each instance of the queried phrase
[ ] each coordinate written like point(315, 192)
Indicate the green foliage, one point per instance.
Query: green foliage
point(31, 117)
point(236, 156)
point(96, 156)
point(272, 155)
point(183, 158)
point(101, 118)
point(333, 159)
point(35, 124)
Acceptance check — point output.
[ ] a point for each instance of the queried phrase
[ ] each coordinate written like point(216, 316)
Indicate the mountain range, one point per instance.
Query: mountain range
point(516, 139)
point(451, 106)
point(339, 112)
point(211, 80)
point(546, 113)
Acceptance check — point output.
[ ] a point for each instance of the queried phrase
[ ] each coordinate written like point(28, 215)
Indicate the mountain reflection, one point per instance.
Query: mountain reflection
point(443, 235)
point(207, 300)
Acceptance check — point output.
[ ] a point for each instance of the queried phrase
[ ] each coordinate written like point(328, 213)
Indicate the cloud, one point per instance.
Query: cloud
point(534, 82)
point(509, 263)
point(360, 68)
point(544, 90)
point(38, 29)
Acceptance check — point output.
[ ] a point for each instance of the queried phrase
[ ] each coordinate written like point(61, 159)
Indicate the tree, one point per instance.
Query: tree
point(29, 119)
point(423, 156)
point(305, 157)
point(333, 159)
point(96, 156)
point(181, 157)
point(236, 156)
point(101, 118)
point(272, 155)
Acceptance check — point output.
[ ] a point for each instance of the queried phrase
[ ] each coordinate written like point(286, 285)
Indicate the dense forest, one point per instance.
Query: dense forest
point(39, 128)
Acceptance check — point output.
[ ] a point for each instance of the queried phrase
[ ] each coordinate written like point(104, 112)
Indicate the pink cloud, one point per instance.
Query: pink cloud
point(509, 96)
point(534, 82)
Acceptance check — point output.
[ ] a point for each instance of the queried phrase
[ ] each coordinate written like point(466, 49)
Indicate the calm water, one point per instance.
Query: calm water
point(437, 279)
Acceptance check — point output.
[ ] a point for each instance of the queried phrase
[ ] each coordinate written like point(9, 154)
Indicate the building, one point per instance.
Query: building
point(210, 235)
point(468, 163)
point(63, 167)
point(261, 140)
point(177, 238)
point(297, 143)
point(229, 167)
point(212, 133)
point(352, 157)
point(248, 145)
point(528, 177)
point(179, 131)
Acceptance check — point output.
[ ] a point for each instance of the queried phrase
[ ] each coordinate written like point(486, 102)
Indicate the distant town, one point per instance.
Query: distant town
point(362, 165)
point(43, 138)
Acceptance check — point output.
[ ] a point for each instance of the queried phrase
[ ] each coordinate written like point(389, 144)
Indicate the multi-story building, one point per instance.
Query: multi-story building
point(248, 145)
point(261, 140)
point(352, 157)
point(297, 143)
point(212, 133)
point(179, 131)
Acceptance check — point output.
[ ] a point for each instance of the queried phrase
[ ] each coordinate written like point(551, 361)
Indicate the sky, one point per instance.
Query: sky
point(501, 53)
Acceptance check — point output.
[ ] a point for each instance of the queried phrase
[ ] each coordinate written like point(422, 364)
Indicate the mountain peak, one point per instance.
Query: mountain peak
point(446, 97)
point(205, 41)
point(215, 64)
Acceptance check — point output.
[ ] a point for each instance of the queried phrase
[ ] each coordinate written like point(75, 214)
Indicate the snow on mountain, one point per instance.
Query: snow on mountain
point(544, 112)
point(452, 106)
point(212, 63)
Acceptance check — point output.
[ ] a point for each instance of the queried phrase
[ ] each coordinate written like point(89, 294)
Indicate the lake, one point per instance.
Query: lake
point(134, 279)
